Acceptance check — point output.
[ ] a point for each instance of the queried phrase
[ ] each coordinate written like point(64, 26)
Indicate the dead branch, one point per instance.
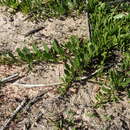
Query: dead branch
point(36, 85)
point(10, 78)
point(33, 31)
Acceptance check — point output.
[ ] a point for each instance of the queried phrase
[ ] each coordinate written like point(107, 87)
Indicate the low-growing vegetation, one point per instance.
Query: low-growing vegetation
point(43, 9)
point(107, 52)
point(111, 36)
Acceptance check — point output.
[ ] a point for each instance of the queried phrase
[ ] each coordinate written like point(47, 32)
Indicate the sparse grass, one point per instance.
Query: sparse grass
point(42, 9)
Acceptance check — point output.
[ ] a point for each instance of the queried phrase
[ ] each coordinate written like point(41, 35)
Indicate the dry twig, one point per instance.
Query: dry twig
point(10, 78)
point(37, 85)
point(33, 31)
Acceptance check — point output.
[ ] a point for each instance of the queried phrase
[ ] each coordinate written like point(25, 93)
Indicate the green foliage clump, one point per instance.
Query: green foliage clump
point(111, 34)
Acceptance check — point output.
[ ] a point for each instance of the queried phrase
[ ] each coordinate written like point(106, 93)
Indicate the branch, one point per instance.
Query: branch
point(10, 78)
point(36, 85)
point(33, 31)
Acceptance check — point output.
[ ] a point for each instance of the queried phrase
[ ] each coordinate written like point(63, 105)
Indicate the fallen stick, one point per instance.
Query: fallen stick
point(33, 31)
point(18, 109)
point(88, 77)
point(37, 85)
point(10, 78)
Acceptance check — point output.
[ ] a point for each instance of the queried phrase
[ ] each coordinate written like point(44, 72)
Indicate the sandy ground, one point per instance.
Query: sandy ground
point(52, 110)
point(14, 30)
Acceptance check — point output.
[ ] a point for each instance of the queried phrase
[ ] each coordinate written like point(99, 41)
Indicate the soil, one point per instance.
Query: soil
point(52, 111)
point(14, 30)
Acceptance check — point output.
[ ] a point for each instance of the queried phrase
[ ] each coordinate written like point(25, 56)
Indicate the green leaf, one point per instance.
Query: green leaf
point(127, 80)
point(20, 54)
point(106, 90)
point(128, 93)
point(76, 63)
point(128, 72)
point(67, 72)
point(67, 66)
point(26, 51)
point(55, 46)
point(46, 48)
point(119, 16)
